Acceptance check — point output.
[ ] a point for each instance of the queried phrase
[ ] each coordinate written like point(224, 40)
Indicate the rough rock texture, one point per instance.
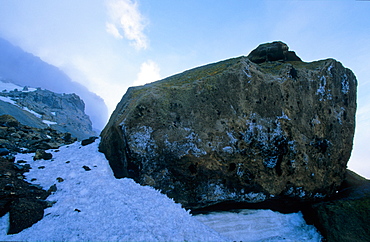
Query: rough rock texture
point(237, 131)
point(16, 137)
point(24, 202)
point(346, 216)
point(275, 51)
point(43, 108)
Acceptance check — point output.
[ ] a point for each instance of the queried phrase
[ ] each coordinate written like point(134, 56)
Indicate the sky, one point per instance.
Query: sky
point(110, 45)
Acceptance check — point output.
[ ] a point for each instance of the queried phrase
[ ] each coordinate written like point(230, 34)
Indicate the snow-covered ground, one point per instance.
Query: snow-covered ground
point(91, 205)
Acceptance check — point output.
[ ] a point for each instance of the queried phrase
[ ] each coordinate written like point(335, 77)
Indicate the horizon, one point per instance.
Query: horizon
point(110, 45)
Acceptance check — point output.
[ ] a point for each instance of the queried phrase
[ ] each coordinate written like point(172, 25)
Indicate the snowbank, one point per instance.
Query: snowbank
point(91, 205)
point(94, 206)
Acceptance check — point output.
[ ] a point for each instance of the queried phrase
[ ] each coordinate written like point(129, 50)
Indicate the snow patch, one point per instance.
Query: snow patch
point(94, 206)
point(260, 225)
point(49, 122)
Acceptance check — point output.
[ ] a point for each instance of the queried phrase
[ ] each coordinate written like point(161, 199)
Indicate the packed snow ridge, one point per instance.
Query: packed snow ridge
point(92, 205)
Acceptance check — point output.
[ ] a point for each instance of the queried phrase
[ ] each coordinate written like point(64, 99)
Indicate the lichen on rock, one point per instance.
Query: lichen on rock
point(238, 130)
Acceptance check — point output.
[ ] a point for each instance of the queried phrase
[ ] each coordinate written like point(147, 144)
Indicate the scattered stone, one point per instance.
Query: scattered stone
point(23, 201)
point(88, 141)
point(86, 168)
point(42, 155)
point(41, 167)
point(18, 167)
point(4, 151)
point(53, 188)
point(77, 210)
point(59, 179)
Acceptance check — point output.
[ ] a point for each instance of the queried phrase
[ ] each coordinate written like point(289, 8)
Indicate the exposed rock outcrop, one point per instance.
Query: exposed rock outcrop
point(346, 216)
point(275, 51)
point(43, 108)
point(25, 202)
point(17, 138)
point(237, 130)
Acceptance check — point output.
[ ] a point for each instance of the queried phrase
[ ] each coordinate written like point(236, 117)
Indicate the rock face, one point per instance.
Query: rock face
point(43, 108)
point(345, 217)
point(237, 130)
point(16, 138)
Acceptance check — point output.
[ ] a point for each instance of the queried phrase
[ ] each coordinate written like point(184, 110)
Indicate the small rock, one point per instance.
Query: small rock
point(86, 168)
point(41, 154)
point(88, 141)
point(59, 179)
point(4, 151)
point(53, 188)
point(77, 210)
point(18, 167)
point(41, 167)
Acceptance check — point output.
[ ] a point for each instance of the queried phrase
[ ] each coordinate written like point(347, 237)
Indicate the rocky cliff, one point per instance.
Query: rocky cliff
point(244, 129)
point(42, 108)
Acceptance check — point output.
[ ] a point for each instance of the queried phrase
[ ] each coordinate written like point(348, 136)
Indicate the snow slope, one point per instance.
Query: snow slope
point(91, 205)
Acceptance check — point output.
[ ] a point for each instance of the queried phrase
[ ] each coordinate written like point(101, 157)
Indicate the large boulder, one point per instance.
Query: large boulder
point(237, 131)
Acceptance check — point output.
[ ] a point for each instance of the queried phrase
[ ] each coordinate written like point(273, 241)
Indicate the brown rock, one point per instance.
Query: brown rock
point(237, 131)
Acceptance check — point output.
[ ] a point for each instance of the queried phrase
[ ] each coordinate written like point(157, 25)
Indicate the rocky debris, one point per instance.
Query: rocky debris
point(88, 141)
point(345, 217)
point(275, 51)
point(42, 155)
point(17, 138)
point(43, 108)
point(24, 202)
point(238, 131)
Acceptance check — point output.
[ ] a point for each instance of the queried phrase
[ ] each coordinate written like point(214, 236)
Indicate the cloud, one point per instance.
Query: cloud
point(125, 17)
point(112, 29)
point(149, 72)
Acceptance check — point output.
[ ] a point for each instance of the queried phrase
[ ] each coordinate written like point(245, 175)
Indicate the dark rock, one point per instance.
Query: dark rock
point(24, 214)
point(4, 151)
point(42, 155)
point(22, 200)
point(88, 141)
point(346, 216)
point(59, 179)
point(275, 51)
point(18, 167)
point(86, 168)
point(8, 121)
point(237, 131)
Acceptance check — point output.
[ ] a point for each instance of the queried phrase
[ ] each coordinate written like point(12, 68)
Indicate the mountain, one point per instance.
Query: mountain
point(25, 69)
point(41, 108)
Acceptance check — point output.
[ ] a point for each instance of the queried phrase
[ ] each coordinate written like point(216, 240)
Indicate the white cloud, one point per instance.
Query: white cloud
point(149, 72)
point(112, 29)
point(125, 16)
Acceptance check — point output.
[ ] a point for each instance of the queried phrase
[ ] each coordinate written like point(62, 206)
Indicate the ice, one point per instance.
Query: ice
point(260, 225)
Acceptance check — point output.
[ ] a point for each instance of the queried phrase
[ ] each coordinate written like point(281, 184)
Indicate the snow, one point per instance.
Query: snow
point(94, 206)
point(7, 100)
point(110, 209)
point(48, 122)
point(8, 86)
point(260, 225)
